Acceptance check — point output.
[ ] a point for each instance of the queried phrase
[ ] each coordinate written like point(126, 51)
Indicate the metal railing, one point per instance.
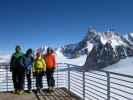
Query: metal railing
point(100, 84)
point(6, 83)
point(91, 85)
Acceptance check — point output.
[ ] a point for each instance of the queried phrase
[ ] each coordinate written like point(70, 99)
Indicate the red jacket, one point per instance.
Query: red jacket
point(50, 61)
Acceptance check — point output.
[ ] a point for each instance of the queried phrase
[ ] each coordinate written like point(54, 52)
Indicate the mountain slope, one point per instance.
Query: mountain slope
point(108, 48)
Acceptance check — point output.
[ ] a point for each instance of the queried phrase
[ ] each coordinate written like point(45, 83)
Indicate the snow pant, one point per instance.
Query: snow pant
point(28, 76)
point(39, 83)
point(50, 77)
point(18, 79)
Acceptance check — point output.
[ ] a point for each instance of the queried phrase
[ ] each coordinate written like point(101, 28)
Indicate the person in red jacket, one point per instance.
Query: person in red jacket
point(50, 68)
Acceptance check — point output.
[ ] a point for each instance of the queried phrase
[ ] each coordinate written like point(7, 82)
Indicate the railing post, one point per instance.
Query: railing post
point(7, 77)
point(68, 77)
point(108, 85)
point(83, 85)
point(57, 76)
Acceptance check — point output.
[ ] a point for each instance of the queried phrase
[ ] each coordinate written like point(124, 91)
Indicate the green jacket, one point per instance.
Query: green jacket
point(15, 60)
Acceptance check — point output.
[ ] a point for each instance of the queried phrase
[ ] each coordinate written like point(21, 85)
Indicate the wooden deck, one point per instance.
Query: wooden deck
point(58, 94)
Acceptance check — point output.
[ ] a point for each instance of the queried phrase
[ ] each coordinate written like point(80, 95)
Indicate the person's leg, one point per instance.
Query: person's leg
point(14, 78)
point(40, 80)
point(21, 77)
point(37, 82)
point(52, 79)
point(48, 77)
point(28, 75)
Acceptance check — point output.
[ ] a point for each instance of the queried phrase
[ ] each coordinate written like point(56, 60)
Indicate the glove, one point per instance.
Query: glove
point(10, 69)
point(53, 68)
point(43, 73)
point(28, 72)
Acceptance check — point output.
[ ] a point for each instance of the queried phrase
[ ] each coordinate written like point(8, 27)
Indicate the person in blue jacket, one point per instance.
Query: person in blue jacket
point(27, 62)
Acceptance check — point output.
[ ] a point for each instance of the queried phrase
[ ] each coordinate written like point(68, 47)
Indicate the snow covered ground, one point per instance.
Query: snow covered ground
point(5, 58)
point(124, 66)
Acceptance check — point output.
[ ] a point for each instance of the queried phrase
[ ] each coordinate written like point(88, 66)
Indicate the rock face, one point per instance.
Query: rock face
point(102, 48)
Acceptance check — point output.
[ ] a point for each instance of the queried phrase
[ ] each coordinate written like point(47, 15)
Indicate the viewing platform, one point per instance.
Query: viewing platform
point(58, 94)
point(73, 83)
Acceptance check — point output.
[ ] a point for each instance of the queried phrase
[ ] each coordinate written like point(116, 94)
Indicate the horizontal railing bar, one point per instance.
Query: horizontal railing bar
point(78, 84)
point(122, 85)
point(121, 95)
point(97, 82)
point(75, 72)
point(79, 74)
point(91, 96)
point(96, 86)
point(88, 98)
point(96, 94)
point(97, 98)
point(121, 79)
point(72, 74)
point(96, 90)
point(113, 73)
point(76, 79)
point(97, 74)
point(122, 90)
point(79, 79)
point(79, 88)
point(96, 78)
point(76, 90)
point(113, 98)
point(75, 84)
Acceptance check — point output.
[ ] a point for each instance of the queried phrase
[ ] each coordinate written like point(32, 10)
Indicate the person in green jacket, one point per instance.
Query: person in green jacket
point(17, 70)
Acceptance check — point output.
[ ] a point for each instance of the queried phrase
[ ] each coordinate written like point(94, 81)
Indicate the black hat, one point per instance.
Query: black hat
point(18, 46)
point(29, 51)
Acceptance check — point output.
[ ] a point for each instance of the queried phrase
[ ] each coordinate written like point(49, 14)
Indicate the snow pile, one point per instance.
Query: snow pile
point(5, 58)
point(59, 53)
point(124, 66)
point(76, 61)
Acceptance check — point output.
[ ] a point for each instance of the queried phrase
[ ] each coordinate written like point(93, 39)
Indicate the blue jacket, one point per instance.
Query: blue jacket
point(27, 62)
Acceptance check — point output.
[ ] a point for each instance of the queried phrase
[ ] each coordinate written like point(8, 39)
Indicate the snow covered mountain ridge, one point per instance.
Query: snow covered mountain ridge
point(105, 48)
point(94, 38)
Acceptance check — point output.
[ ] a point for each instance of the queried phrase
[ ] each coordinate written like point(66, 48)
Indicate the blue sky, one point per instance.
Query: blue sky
point(31, 23)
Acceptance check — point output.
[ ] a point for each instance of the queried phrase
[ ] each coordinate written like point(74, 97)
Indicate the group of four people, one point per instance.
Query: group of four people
point(22, 65)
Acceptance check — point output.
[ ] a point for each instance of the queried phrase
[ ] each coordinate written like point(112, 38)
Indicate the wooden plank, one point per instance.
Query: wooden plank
point(58, 94)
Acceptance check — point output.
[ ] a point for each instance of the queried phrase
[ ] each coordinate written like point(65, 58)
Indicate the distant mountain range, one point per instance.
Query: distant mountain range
point(105, 47)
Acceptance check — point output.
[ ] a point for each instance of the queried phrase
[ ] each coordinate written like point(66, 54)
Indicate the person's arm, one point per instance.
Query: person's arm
point(33, 67)
point(44, 64)
point(30, 64)
point(32, 61)
point(22, 62)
